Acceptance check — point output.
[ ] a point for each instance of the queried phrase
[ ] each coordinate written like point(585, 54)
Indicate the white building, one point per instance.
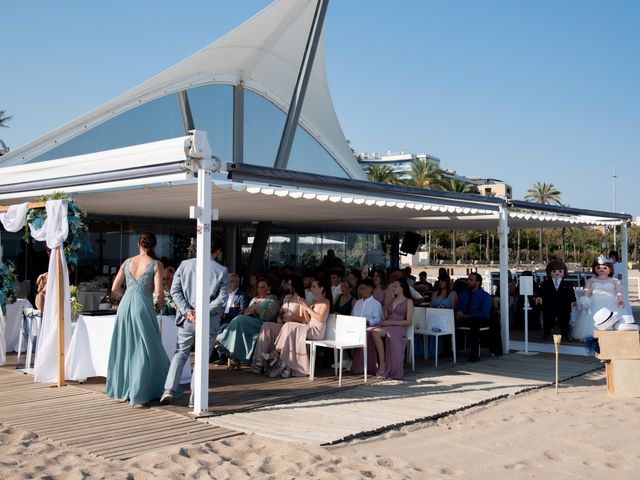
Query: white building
point(399, 162)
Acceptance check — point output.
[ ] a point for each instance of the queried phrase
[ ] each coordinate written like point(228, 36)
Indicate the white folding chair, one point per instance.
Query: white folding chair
point(350, 332)
point(329, 334)
point(440, 322)
point(411, 351)
point(468, 329)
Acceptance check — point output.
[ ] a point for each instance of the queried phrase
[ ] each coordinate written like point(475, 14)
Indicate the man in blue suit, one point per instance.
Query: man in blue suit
point(473, 311)
point(183, 292)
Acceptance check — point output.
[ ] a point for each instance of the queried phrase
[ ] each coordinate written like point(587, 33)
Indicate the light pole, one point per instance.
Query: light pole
point(614, 208)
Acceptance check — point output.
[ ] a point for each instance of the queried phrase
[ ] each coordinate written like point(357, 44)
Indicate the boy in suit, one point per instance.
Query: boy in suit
point(557, 298)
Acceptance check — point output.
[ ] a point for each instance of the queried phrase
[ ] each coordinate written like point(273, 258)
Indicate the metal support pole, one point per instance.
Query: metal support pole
point(185, 111)
point(295, 107)
point(624, 258)
point(503, 235)
point(203, 279)
point(238, 123)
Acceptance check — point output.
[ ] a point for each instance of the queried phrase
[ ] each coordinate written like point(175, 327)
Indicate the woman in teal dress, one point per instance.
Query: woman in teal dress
point(239, 338)
point(138, 364)
point(444, 296)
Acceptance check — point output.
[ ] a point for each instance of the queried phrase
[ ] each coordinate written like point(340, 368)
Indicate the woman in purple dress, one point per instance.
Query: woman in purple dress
point(393, 329)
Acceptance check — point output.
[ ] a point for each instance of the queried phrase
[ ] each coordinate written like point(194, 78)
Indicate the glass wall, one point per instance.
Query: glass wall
point(157, 120)
point(212, 111)
point(263, 124)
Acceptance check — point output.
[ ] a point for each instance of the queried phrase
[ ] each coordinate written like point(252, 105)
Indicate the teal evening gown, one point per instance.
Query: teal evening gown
point(138, 364)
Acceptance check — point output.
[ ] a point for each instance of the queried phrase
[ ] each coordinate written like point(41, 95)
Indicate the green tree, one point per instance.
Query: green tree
point(544, 193)
point(382, 174)
point(425, 174)
point(459, 186)
point(3, 123)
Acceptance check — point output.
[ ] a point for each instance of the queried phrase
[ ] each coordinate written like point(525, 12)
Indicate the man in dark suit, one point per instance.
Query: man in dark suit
point(557, 297)
point(237, 301)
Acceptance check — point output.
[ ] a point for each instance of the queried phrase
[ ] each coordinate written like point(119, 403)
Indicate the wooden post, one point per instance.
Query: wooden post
point(556, 345)
point(60, 310)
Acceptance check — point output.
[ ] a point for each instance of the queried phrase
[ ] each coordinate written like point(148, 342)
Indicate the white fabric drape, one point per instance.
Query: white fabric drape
point(54, 230)
point(13, 219)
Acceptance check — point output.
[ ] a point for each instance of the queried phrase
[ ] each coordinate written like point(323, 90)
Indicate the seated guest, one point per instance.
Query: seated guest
point(336, 279)
point(237, 302)
point(422, 286)
point(371, 309)
point(239, 338)
point(397, 316)
point(444, 296)
point(291, 311)
point(291, 345)
point(41, 283)
point(473, 311)
point(251, 285)
point(307, 279)
point(394, 274)
point(167, 278)
point(354, 276)
point(343, 304)
point(379, 284)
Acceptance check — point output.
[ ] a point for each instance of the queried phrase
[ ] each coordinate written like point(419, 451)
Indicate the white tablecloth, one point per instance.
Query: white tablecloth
point(88, 354)
point(90, 299)
point(13, 322)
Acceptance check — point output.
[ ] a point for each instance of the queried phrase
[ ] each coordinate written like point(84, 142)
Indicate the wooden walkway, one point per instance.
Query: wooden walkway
point(89, 421)
point(426, 395)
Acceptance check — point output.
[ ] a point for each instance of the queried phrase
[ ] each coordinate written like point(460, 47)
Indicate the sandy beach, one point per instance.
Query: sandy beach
point(578, 433)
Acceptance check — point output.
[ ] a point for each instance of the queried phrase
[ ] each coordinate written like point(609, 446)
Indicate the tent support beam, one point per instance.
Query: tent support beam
point(503, 235)
point(624, 258)
point(238, 123)
point(295, 106)
point(185, 112)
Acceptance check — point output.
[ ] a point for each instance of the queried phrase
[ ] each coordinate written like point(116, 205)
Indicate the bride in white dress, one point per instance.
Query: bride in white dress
point(601, 291)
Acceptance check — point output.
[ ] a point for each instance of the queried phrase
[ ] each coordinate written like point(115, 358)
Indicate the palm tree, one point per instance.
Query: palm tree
point(425, 174)
point(458, 186)
point(4, 119)
point(546, 194)
point(382, 174)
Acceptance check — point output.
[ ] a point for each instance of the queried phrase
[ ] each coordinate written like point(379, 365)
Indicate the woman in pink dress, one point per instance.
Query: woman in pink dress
point(291, 311)
point(398, 315)
point(291, 342)
point(379, 285)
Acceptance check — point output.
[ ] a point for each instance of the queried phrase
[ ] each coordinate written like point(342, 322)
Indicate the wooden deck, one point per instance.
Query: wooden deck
point(426, 395)
point(87, 420)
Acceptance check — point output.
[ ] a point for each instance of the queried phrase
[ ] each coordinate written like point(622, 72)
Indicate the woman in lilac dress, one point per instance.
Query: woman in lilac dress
point(393, 329)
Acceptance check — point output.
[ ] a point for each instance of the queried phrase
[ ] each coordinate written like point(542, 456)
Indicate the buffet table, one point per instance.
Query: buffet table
point(88, 354)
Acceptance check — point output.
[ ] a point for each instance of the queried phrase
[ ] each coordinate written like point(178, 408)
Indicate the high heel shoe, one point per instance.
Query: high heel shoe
point(277, 369)
point(233, 364)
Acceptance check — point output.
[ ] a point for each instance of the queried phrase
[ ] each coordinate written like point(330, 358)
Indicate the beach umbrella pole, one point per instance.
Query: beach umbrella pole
point(556, 345)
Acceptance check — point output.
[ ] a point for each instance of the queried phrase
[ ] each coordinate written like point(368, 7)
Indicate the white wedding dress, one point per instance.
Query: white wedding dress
point(603, 294)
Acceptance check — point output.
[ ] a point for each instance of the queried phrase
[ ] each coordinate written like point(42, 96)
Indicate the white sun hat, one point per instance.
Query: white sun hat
point(605, 319)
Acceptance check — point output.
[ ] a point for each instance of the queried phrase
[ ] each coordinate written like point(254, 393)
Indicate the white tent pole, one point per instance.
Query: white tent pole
point(503, 235)
point(203, 280)
point(624, 258)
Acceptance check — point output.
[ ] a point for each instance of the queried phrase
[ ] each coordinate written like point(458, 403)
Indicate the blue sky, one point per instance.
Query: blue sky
point(524, 91)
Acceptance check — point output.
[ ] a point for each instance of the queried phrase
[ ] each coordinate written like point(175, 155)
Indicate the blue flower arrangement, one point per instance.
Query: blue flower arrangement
point(8, 284)
point(77, 241)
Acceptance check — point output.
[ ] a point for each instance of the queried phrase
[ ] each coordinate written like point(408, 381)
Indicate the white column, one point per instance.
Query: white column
point(203, 280)
point(624, 258)
point(503, 235)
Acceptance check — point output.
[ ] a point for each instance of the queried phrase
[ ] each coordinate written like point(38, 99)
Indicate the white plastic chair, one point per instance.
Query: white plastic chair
point(468, 329)
point(350, 332)
point(443, 321)
point(411, 350)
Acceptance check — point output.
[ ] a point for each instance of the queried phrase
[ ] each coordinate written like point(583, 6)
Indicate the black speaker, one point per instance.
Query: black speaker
point(410, 243)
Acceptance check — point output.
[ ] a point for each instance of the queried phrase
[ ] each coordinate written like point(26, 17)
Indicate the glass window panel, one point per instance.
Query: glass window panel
point(307, 155)
point(263, 124)
point(212, 111)
point(157, 120)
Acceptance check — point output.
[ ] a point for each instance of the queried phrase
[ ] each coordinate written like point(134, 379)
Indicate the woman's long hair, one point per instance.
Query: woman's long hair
point(148, 241)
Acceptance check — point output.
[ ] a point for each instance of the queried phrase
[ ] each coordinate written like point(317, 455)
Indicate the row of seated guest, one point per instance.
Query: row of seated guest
point(386, 330)
point(281, 345)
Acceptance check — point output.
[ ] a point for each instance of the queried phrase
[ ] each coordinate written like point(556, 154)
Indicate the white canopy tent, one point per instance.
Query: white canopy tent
point(166, 185)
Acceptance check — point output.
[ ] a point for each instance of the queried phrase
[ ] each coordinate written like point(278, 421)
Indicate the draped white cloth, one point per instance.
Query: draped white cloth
point(54, 231)
point(13, 219)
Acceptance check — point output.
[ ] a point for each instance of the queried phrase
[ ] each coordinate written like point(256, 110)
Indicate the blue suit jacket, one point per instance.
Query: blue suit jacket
point(239, 302)
point(183, 291)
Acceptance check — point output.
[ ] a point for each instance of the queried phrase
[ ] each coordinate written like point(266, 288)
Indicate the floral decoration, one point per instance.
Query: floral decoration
point(76, 306)
point(168, 305)
point(8, 284)
point(77, 240)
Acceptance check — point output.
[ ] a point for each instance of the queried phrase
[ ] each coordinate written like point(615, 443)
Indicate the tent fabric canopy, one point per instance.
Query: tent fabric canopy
point(263, 55)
